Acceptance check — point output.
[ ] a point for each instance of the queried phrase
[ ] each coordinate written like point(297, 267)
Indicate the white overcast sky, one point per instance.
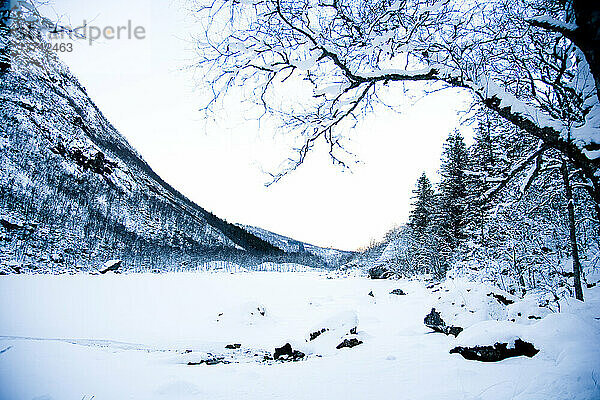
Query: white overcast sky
point(142, 88)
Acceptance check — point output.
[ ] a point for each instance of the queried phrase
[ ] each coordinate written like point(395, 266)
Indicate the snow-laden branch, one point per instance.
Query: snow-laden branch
point(553, 24)
point(348, 51)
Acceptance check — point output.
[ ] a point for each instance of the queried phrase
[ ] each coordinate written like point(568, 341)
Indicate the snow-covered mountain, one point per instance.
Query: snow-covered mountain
point(331, 257)
point(74, 192)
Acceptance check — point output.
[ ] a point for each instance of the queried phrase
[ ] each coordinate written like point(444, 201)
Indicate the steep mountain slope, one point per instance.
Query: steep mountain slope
point(331, 257)
point(73, 192)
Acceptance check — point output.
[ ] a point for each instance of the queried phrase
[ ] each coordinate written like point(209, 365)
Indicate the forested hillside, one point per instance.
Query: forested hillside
point(74, 193)
point(506, 207)
point(328, 256)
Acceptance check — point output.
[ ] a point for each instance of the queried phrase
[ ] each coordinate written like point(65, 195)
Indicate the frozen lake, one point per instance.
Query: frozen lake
point(132, 337)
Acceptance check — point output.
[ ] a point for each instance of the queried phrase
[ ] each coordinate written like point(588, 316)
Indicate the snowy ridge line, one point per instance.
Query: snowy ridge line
point(331, 256)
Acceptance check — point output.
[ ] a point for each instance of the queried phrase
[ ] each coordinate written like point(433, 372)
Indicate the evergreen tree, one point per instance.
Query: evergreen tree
point(453, 197)
point(484, 167)
point(423, 209)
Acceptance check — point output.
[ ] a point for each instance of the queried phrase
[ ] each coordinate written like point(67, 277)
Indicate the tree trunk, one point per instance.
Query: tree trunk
point(5, 33)
point(572, 232)
point(587, 35)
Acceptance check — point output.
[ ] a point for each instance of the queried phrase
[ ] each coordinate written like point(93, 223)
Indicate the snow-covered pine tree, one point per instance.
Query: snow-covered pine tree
point(483, 168)
point(452, 215)
point(423, 209)
point(426, 251)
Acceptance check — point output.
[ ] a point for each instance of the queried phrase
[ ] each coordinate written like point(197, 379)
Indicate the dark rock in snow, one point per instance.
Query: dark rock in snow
point(398, 292)
point(261, 310)
point(349, 343)
point(534, 317)
point(210, 361)
point(434, 321)
point(501, 299)
point(113, 265)
point(215, 361)
point(379, 273)
point(497, 352)
point(233, 346)
point(316, 334)
point(286, 353)
point(371, 294)
point(453, 330)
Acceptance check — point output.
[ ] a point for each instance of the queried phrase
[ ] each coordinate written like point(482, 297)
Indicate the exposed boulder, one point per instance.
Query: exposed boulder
point(349, 343)
point(379, 273)
point(112, 265)
point(316, 334)
point(286, 352)
point(210, 361)
point(248, 312)
point(286, 349)
point(434, 321)
point(261, 311)
point(371, 294)
point(501, 299)
point(340, 324)
point(233, 346)
point(497, 352)
point(398, 292)
point(453, 330)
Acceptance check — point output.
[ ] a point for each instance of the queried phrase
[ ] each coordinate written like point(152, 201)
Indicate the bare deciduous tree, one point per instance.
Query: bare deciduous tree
point(519, 58)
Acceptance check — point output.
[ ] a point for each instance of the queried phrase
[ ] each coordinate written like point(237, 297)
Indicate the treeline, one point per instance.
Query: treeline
point(506, 206)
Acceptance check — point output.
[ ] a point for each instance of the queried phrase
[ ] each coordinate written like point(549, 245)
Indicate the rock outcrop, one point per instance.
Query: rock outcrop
point(497, 352)
point(434, 321)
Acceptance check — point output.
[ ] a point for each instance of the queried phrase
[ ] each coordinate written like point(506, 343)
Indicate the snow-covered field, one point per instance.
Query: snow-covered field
point(113, 337)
